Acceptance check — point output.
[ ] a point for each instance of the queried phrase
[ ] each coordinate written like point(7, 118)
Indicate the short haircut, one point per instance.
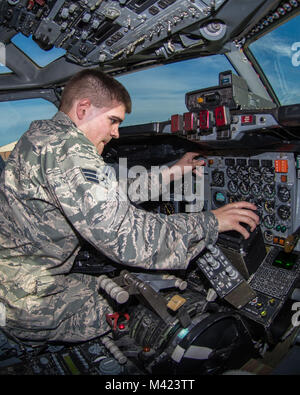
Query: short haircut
point(101, 89)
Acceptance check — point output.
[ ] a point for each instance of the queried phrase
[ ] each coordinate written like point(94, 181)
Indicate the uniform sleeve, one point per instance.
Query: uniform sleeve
point(90, 198)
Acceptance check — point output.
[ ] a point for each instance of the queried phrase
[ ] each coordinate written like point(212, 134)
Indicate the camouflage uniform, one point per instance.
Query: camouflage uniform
point(56, 189)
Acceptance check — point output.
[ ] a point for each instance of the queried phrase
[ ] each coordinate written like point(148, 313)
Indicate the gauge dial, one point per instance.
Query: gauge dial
point(218, 178)
point(231, 173)
point(269, 191)
point(284, 212)
point(269, 221)
point(243, 173)
point(284, 194)
point(255, 190)
point(255, 174)
point(268, 235)
point(268, 174)
point(244, 188)
point(269, 206)
point(259, 207)
point(232, 186)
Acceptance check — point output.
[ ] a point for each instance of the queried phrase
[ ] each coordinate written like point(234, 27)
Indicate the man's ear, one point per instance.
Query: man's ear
point(82, 107)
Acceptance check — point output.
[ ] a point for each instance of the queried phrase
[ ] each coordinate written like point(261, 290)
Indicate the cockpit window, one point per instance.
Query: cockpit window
point(16, 117)
point(278, 54)
point(31, 49)
point(160, 92)
point(4, 69)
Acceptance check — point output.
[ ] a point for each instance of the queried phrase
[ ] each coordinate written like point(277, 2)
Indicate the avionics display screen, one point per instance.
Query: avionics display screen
point(285, 260)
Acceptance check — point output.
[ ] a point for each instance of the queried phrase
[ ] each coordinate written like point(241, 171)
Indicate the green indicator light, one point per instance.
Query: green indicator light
point(285, 260)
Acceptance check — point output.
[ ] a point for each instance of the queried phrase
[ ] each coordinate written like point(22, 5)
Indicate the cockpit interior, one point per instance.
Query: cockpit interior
point(236, 309)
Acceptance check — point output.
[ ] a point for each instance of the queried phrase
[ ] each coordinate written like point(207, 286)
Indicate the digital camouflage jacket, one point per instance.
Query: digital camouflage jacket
point(56, 189)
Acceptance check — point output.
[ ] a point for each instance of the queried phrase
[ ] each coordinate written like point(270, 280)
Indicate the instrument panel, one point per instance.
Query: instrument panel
point(229, 118)
point(268, 180)
point(232, 92)
point(97, 31)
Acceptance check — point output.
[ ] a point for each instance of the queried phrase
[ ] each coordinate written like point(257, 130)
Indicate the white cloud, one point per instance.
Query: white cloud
point(279, 47)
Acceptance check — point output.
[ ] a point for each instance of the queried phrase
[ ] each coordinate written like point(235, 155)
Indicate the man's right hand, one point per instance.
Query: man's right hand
point(230, 216)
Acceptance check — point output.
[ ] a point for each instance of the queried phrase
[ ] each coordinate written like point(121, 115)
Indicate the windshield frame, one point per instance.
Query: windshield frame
point(254, 61)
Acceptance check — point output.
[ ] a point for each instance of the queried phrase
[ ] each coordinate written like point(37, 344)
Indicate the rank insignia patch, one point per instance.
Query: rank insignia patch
point(90, 175)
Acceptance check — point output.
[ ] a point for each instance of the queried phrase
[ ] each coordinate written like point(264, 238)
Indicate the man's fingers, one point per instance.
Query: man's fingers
point(197, 162)
point(233, 215)
point(238, 205)
point(247, 215)
point(239, 228)
point(245, 219)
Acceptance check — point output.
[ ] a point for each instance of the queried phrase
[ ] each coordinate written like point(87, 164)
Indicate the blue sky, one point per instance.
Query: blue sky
point(159, 92)
point(276, 55)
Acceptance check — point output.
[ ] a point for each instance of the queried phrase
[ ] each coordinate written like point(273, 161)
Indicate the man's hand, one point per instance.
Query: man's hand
point(188, 162)
point(184, 165)
point(230, 216)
